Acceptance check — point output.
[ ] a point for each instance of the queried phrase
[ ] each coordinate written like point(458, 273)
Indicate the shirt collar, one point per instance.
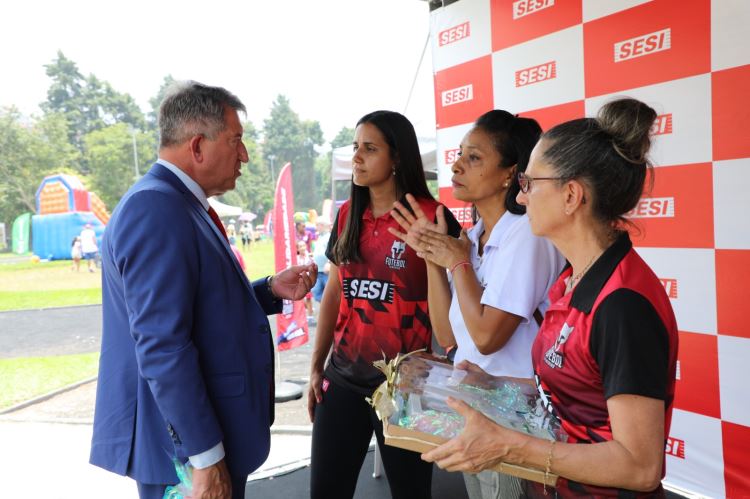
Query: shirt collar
point(498, 231)
point(191, 184)
point(367, 214)
point(585, 294)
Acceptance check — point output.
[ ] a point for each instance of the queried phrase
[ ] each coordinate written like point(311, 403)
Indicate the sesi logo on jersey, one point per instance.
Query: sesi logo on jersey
point(643, 45)
point(454, 34)
point(675, 447)
point(523, 8)
point(653, 208)
point(536, 74)
point(368, 289)
point(457, 95)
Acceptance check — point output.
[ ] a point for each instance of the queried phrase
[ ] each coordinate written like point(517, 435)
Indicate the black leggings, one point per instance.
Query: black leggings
point(343, 426)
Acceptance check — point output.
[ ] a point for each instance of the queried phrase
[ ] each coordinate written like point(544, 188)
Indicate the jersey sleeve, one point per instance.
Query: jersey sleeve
point(629, 342)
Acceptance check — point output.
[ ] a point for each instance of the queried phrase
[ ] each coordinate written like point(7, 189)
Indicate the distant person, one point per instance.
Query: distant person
point(76, 253)
point(374, 305)
point(232, 232)
point(301, 234)
point(305, 258)
point(89, 247)
point(246, 235)
point(320, 258)
point(186, 365)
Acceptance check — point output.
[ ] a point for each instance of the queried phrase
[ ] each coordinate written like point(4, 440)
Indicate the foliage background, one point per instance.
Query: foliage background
point(91, 130)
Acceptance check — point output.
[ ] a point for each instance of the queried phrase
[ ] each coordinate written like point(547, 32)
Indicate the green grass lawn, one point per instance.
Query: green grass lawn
point(259, 260)
point(25, 300)
point(25, 378)
point(33, 285)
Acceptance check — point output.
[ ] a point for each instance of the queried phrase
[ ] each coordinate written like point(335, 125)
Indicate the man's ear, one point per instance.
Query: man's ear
point(196, 147)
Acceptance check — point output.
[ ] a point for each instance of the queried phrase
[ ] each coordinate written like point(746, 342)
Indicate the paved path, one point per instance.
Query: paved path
point(50, 331)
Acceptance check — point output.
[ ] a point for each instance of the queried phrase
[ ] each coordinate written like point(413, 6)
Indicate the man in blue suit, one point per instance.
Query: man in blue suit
point(186, 368)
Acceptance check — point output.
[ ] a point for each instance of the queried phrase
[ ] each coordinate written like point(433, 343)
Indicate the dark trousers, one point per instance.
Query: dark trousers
point(343, 426)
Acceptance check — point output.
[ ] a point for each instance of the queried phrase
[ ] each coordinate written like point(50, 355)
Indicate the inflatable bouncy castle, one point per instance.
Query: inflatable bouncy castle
point(64, 207)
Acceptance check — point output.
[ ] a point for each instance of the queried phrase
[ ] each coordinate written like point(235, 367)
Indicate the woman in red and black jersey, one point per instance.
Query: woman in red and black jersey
point(374, 304)
point(605, 356)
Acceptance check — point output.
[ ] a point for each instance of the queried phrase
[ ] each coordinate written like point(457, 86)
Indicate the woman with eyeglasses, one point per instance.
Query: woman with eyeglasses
point(605, 357)
point(490, 302)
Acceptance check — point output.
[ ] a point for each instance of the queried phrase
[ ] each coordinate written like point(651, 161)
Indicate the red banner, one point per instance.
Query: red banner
point(291, 323)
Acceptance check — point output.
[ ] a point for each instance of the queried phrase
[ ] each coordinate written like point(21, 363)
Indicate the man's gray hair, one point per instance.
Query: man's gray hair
point(191, 108)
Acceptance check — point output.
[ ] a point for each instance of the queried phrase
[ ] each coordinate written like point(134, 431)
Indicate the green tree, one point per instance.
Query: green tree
point(323, 165)
point(109, 152)
point(31, 150)
point(88, 104)
point(289, 139)
point(153, 116)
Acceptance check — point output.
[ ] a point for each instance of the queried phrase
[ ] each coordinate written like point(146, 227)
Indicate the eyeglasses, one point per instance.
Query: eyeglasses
point(524, 181)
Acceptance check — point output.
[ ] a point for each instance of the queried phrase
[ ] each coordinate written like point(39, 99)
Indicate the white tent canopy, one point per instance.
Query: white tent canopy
point(224, 210)
point(341, 168)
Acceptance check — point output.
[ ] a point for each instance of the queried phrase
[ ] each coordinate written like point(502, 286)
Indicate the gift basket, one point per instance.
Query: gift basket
point(412, 405)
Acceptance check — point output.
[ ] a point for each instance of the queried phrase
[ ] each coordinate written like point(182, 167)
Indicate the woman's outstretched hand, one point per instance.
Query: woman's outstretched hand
point(415, 222)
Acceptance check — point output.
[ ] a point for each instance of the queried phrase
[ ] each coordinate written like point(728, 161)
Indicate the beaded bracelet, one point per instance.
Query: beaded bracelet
point(459, 264)
point(548, 467)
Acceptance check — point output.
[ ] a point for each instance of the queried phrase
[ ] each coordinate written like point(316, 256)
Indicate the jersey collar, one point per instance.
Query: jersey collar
point(585, 294)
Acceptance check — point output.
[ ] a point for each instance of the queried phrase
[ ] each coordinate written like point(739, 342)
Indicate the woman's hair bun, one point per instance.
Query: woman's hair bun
point(629, 123)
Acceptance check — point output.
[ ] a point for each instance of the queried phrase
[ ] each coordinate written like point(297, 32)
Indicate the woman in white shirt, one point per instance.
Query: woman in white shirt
point(491, 301)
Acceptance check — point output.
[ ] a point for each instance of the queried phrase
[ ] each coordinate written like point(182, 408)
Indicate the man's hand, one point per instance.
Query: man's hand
point(295, 282)
point(212, 482)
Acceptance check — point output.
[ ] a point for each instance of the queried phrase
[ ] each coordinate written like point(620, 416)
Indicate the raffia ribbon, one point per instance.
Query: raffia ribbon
point(382, 398)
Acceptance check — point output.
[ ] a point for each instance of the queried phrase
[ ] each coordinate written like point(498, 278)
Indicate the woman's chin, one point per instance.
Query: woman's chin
point(459, 194)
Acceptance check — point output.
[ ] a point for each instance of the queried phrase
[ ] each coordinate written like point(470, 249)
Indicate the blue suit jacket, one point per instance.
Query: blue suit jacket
point(186, 358)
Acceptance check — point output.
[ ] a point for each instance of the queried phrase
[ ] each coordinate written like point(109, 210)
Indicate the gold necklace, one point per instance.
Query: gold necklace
point(572, 281)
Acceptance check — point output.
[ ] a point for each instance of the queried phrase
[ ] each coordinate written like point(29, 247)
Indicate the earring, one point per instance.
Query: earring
point(393, 169)
point(567, 212)
point(506, 184)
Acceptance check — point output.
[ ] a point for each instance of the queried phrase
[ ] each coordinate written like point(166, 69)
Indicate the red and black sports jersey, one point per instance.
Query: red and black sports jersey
point(614, 334)
point(383, 309)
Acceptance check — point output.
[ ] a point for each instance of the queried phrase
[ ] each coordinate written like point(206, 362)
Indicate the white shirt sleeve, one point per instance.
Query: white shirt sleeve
point(209, 457)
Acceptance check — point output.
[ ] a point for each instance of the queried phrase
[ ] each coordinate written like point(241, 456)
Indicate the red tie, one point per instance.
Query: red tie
point(215, 217)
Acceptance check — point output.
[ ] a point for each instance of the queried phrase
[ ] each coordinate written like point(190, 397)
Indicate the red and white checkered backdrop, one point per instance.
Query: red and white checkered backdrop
point(555, 60)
